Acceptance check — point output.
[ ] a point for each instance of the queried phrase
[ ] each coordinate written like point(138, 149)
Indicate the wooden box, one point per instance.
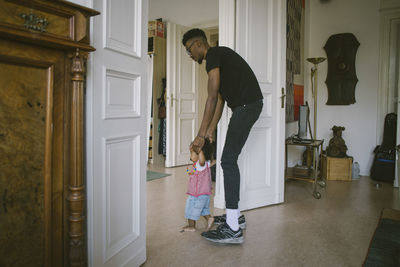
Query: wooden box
point(338, 169)
point(300, 170)
point(156, 28)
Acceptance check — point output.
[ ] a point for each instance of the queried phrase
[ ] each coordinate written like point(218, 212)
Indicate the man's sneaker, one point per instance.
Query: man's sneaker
point(222, 219)
point(225, 235)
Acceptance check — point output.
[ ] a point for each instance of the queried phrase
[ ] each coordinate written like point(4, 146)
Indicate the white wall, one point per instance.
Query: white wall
point(189, 13)
point(87, 3)
point(360, 17)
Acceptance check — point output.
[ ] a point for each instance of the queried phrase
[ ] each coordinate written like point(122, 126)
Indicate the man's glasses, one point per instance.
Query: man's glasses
point(189, 48)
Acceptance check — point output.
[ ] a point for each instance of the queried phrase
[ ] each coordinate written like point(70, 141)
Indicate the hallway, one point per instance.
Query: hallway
point(333, 231)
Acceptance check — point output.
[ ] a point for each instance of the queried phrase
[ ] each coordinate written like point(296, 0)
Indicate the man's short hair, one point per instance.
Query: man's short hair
point(192, 34)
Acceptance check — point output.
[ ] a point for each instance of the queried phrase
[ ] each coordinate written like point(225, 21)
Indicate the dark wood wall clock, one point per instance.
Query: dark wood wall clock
point(341, 80)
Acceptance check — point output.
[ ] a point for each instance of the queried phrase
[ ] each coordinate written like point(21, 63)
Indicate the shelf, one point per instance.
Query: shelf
point(313, 175)
point(291, 175)
point(312, 143)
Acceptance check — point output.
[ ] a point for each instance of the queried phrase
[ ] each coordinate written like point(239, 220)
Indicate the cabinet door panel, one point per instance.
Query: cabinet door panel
point(22, 150)
point(31, 158)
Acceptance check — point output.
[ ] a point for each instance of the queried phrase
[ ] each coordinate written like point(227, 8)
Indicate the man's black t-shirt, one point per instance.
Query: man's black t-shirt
point(238, 84)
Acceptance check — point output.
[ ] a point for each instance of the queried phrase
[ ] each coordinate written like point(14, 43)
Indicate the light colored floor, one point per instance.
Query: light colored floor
point(332, 231)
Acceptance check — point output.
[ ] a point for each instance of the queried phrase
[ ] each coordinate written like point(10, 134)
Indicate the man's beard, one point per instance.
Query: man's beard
point(200, 60)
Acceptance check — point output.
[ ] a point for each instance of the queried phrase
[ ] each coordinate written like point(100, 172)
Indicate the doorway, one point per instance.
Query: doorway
point(171, 136)
point(389, 75)
point(116, 164)
point(263, 186)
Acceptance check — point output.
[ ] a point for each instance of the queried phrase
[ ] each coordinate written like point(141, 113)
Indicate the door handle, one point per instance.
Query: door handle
point(172, 100)
point(283, 98)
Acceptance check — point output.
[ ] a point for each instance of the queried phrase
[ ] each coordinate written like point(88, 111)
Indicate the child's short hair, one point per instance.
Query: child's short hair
point(208, 150)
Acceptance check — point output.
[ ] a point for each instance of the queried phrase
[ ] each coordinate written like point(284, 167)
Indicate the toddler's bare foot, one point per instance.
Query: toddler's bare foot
point(210, 223)
point(188, 229)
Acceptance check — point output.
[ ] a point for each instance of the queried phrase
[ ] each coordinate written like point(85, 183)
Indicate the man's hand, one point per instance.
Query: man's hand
point(197, 144)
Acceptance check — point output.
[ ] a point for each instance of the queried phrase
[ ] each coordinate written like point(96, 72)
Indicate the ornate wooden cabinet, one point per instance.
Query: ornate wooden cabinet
point(43, 47)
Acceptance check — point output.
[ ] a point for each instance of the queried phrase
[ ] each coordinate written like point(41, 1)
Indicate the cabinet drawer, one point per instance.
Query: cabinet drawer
point(31, 16)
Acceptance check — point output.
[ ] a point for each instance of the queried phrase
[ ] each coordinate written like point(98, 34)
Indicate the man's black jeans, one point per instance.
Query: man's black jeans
point(240, 124)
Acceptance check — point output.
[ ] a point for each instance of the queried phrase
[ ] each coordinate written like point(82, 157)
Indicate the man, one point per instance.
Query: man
point(231, 80)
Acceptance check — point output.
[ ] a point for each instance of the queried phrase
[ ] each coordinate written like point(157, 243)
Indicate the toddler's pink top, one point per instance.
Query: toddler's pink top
point(200, 181)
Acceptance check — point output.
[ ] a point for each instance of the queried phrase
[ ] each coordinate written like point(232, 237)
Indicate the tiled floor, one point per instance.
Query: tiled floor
point(332, 231)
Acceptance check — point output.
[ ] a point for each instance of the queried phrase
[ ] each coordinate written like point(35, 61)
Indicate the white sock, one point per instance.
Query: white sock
point(238, 212)
point(232, 218)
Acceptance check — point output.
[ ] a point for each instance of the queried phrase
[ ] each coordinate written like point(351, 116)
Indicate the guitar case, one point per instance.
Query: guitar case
point(383, 166)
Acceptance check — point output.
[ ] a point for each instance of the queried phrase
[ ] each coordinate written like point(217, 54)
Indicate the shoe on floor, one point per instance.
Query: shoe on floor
point(224, 235)
point(222, 219)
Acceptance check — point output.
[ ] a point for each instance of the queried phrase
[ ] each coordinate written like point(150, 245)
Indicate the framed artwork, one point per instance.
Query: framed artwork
point(341, 80)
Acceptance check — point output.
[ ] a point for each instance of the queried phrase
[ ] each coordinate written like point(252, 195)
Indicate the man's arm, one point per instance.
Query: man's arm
point(211, 103)
point(217, 116)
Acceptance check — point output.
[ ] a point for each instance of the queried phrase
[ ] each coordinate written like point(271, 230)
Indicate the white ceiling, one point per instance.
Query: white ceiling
point(191, 13)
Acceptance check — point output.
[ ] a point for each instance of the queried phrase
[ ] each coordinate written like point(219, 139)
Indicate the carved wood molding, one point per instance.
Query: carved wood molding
point(76, 190)
point(48, 23)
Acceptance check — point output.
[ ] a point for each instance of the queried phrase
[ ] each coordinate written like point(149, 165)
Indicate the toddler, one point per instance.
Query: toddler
point(199, 189)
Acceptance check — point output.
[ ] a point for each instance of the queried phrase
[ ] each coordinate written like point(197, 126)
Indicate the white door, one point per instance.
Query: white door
point(261, 40)
point(394, 75)
point(397, 178)
point(181, 91)
point(119, 118)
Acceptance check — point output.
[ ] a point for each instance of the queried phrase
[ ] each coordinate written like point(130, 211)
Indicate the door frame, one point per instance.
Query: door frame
point(387, 16)
point(173, 93)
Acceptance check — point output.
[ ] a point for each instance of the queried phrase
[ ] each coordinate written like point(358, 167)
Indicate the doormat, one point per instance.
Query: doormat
point(384, 249)
point(156, 175)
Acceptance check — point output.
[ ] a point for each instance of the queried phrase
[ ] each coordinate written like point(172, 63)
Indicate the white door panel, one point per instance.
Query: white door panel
point(119, 116)
point(261, 41)
point(182, 115)
point(395, 76)
point(397, 169)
